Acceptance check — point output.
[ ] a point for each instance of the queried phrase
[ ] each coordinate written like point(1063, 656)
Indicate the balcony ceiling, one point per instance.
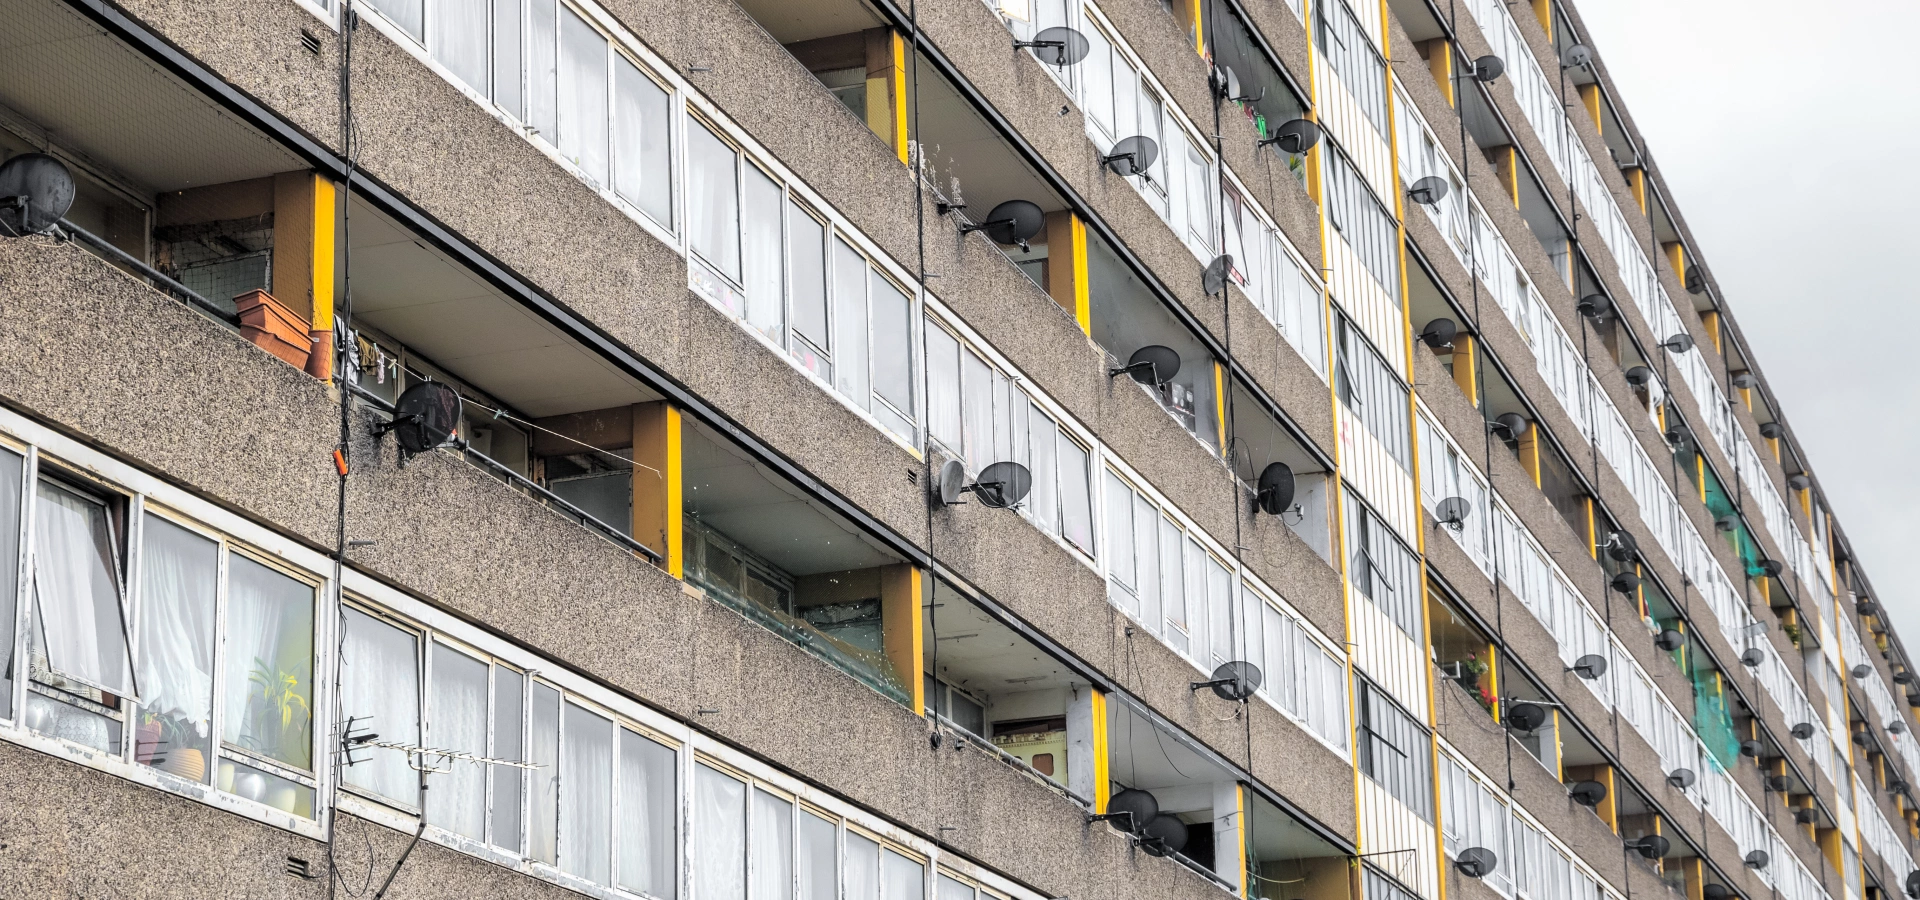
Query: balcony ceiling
point(976, 652)
point(736, 495)
point(791, 21)
point(99, 101)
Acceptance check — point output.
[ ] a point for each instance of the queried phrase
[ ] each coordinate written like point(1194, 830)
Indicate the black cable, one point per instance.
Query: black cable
point(342, 315)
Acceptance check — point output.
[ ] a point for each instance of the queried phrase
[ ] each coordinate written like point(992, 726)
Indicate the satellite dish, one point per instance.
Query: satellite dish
point(425, 417)
point(1428, 191)
point(1510, 426)
point(1002, 484)
point(1226, 84)
point(1590, 666)
point(1652, 846)
point(1752, 748)
point(1275, 489)
point(36, 191)
point(1903, 677)
point(1453, 511)
point(1771, 568)
point(1727, 522)
point(1236, 681)
point(1294, 137)
point(1779, 784)
point(951, 482)
point(1165, 835)
point(1132, 156)
point(1133, 809)
point(1772, 431)
point(1670, 640)
point(1215, 279)
point(1588, 793)
point(1679, 343)
point(1058, 46)
point(1862, 670)
point(1696, 280)
point(1682, 778)
point(1715, 892)
point(1752, 657)
point(1152, 365)
point(1487, 68)
point(1625, 582)
point(1802, 730)
point(1805, 816)
point(1800, 482)
point(1757, 859)
point(1622, 546)
point(1896, 727)
point(1439, 334)
point(1744, 380)
point(1638, 376)
point(1578, 56)
point(1595, 306)
point(1913, 884)
point(1475, 862)
point(1526, 717)
point(1012, 222)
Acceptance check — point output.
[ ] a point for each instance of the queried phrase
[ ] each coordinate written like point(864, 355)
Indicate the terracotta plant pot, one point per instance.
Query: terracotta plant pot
point(272, 327)
point(189, 763)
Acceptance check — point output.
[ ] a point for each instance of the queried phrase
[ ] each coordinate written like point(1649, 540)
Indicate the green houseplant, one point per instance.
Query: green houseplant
point(278, 713)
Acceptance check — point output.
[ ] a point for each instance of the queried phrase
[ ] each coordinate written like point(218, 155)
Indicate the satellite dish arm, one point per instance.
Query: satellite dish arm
point(1130, 368)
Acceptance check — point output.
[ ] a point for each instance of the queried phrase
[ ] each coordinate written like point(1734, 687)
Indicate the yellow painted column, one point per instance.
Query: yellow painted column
point(1543, 10)
point(1590, 97)
point(1067, 266)
point(305, 218)
point(1464, 362)
point(1220, 403)
point(886, 88)
point(1439, 52)
point(1530, 453)
point(1637, 182)
point(1189, 15)
point(902, 628)
point(658, 476)
point(1102, 776)
point(1609, 809)
point(1593, 530)
point(1506, 165)
point(1694, 871)
point(1676, 257)
point(1711, 319)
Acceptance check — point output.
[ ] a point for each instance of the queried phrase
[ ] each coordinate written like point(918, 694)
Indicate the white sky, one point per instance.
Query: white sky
point(1787, 133)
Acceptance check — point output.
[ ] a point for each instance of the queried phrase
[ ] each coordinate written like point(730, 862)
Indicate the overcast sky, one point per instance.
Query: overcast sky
point(1787, 133)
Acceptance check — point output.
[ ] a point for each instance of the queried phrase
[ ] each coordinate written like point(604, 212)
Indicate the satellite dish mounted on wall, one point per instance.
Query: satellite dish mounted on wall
point(1682, 778)
point(1509, 426)
point(1715, 892)
point(1753, 748)
point(1670, 640)
point(1757, 859)
point(1588, 793)
point(1225, 83)
point(1236, 681)
point(1452, 512)
point(1214, 280)
point(1293, 137)
point(1058, 46)
point(1621, 546)
point(1274, 492)
point(1164, 836)
point(1589, 667)
point(1152, 365)
point(1488, 67)
point(1525, 717)
point(1578, 56)
point(1132, 156)
point(1696, 280)
point(1132, 809)
point(1679, 343)
point(1625, 583)
point(1913, 884)
point(1595, 306)
point(425, 417)
point(1000, 485)
point(1439, 334)
point(1428, 191)
point(1652, 846)
point(1012, 222)
point(1802, 730)
point(1639, 376)
point(36, 191)
point(1752, 657)
point(1475, 862)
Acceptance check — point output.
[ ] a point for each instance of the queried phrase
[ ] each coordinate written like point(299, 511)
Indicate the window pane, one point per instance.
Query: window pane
point(976, 398)
point(850, 323)
point(1219, 614)
point(892, 345)
point(863, 868)
point(457, 720)
point(808, 257)
point(720, 836)
point(586, 796)
point(583, 96)
point(509, 709)
point(269, 663)
point(951, 889)
point(460, 40)
point(1146, 553)
point(507, 29)
point(10, 474)
point(81, 629)
point(1194, 597)
point(819, 856)
point(380, 690)
point(1120, 559)
point(1043, 502)
point(543, 812)
point(904, 878)
point(646, 816)
point(760, 247)
point(943, 388)
point(643, 162)
point(179, 577)
point(1099, 70)
point(772, 847)
point(543, 57)
point(1076, 501)
point(404, 13)
point(1173, 583)
point(713, 200)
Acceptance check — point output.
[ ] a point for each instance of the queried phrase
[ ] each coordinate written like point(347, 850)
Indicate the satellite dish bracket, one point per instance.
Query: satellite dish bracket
point(983, 226)
point(1128, 369)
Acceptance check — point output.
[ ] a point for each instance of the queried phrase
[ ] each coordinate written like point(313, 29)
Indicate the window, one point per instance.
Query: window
point(769, 261)
point(1370, 391)
point(1275, 280)
point(1351, 54)
point(602, 798)
point(1361, 220)
point(1301, 677)
point(1392, 749)
point(1164, 577)
point(79, 657)
point(981, 416)
point(752, 842)
point(1381, 568)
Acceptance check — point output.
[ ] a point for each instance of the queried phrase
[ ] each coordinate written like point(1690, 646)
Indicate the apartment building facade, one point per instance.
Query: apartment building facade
point(874, 450)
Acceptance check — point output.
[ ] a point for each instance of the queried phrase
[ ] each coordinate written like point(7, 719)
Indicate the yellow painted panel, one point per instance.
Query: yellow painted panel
point(1102, 778)
point(1590, 98)
point(657, 483)
point(903, 630)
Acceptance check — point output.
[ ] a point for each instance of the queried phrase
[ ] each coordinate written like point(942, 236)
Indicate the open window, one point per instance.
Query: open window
point(1463, 653)
point(80, 662)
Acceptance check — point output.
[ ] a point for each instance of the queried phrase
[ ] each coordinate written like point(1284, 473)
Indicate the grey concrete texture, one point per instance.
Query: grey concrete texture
point(1289, 380)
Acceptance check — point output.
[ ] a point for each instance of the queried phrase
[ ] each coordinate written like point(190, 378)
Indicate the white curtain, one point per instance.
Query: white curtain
point(457, 720)
point(763, 258)
point(509, 709)
point(905, 879)
point(10, 466)
point(713, 199)
point(269, 663)
point(720, 836)
point(544, 809)
point(586, 796)
point(380, 686)
point(77, 587)
point(850, 324)
point(583, 95)
point(772, 847)
point(647, 802)
point(863, 868)
point(642, 167)
point(460, 39)
point(179, 574)
point(943, 387)
point(818, 858)
point(892, 344)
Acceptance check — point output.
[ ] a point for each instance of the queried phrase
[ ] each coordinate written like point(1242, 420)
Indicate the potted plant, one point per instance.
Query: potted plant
point(278, 714)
